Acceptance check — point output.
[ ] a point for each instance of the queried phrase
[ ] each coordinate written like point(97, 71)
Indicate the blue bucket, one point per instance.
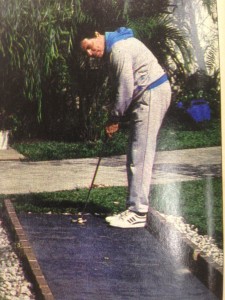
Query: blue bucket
point(199, 110)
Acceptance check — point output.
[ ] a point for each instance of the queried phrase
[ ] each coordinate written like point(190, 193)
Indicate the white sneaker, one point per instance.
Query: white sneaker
point(115, 216)
point(128, 219)
point(110, 218)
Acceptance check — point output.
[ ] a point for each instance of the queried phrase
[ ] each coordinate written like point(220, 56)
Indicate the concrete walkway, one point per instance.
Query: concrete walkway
point(18, 176)
point(10, 154)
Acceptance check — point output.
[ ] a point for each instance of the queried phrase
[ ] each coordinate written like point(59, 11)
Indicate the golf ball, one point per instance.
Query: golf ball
point(81, 220)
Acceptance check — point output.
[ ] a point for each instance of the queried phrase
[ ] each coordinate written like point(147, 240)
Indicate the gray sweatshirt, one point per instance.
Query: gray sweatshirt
point(133, 68)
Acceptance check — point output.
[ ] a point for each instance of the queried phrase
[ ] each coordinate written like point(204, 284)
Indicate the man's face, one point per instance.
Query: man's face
point(94, 47)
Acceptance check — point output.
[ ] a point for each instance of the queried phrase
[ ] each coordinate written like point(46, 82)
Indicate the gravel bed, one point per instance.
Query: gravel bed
point(13, 283)
point(205, 243)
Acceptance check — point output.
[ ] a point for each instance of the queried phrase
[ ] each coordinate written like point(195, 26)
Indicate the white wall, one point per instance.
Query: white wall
point(193, 18)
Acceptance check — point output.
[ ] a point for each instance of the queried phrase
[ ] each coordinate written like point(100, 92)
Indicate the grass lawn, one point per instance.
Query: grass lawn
point(197, 201)
point(172, 136)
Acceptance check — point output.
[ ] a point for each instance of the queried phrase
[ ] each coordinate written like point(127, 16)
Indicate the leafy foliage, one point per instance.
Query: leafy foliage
point(47, 86)
point(36, 36)
point(212, 51)
point(201, 86)
point(147, 8)
point(165, 41)
point(211, 6)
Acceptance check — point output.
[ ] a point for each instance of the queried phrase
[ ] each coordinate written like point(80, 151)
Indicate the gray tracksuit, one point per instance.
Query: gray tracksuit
point(134, 68)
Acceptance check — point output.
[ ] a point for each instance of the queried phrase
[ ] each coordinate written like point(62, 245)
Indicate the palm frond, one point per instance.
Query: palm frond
point(164, 40)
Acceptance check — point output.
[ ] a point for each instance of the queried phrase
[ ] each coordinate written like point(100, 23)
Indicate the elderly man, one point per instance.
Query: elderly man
point(143, 92)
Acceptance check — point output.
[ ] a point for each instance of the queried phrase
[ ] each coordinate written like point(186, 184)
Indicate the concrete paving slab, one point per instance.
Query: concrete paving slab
point(97, 262)
point(10, 154)
point(170, 166)
point(188, 164)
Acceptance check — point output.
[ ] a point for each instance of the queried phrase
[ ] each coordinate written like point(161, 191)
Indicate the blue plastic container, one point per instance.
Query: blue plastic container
point(199, 110)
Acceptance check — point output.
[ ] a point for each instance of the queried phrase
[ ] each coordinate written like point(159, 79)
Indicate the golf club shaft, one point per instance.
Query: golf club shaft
point(91, 186)
point(93, 179)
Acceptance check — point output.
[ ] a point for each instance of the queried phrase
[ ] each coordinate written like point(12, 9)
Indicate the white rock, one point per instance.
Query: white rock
point(205, 243)
point(11, 272)
point(13, 293)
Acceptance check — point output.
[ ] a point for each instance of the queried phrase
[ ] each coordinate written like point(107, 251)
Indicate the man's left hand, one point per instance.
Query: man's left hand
point(111, 129)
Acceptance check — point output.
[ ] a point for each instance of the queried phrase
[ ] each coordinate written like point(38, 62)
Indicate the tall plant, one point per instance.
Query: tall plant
point(38, 47)
point(212, 51)
point(34, 35)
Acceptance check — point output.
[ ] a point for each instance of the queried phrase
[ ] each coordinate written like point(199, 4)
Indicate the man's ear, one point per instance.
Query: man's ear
point(97, 34)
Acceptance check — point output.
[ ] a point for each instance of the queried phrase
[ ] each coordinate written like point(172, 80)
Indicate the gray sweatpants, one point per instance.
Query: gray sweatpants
point(146, 119)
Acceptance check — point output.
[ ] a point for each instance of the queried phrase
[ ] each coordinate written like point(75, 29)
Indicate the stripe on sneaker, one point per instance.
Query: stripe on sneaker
point(128, 219)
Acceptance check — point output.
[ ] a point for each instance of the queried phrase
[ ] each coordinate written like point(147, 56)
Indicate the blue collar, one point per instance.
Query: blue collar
point(121, 33)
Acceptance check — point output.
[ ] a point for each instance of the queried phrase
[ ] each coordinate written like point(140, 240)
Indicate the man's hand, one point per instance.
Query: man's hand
point(111, 129)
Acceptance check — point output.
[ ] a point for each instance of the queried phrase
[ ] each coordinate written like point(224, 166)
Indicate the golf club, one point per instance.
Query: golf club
point(81, 219)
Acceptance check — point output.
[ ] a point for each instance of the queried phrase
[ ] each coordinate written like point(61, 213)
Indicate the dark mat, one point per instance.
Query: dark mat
point(95, 261)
